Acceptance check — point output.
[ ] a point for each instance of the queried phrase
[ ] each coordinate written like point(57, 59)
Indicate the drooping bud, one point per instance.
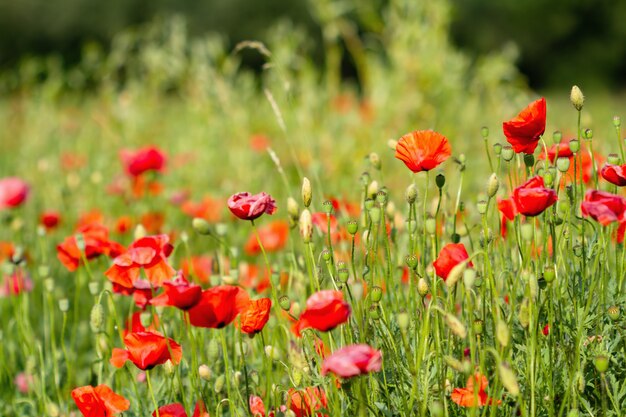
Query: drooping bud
point(307, 193)
point(577, 98)
point(96, 318)
point(204, 372)
point(201, 226)
point(455, 274)
point(440, 180)
point(422, 287)
point(602, 363)
point(492, 185)
point(306, 226)
point(529, 160)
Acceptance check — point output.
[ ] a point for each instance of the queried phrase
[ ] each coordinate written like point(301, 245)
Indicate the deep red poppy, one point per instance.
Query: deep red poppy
point(249, 207)
point(559, 150)
point(134, 324)
point(100, 401)
point(149, 253)
point(273, 237)
point(141, 291)
point(615, 174)
point(423, 150)
point(255, 315)
point(524, 130)
point(96, 239)
point(218, 306)
point(50, 219)
point(16, 283)
point(508, 210)
point(546, 330)
point(146, 350)
point(143, 160)
point(13, 192)
point(306, 402)
point(450, 256)
point(352, 361)
point(178, 293)
point(177, 410)
point(465, 397)
point(532, 198)
point(324, 311)
point(604, 207)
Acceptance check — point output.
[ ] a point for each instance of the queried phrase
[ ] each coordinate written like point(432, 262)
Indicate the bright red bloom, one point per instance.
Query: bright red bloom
point(465, 397)
point(604, 207)
point(16, 283)
point(352, 361)
point(423, 150)
point(249, 207)
point(324, 311)
point(273, 237)
point(141, 292)
point(255, 315)
point(13, 192)
point(532, 198)
point(615, 174)
point(218, 306)
point(305, 403)
point(177, 410)
point(450, 256)
point(178, 293)
point(524, 130)
point(123, 224)
point(508, 210)
point(100, 401)
point(546, 329)
point(146, 350)
point(149, 253)
point(50, 219)
point(143, 160)
point(559, 150)
point(96, 239)
point(257, 408)
point(134, 325)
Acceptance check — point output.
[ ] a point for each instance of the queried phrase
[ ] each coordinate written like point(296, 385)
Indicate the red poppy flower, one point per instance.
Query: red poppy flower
point(324, 311)
point(255, 315)
point(273, 237)
point(209, 209)
point(199, 267)
point(524, 130)
point(559, 150)
point(604, 207)
point(532, 198)
point(178, 293)
point(450, 256)
point(96, 240)
point(177, 410)
point(50, 219)
point(143, 160)
point(305, 403)
point(123, 224)
point(249, 207)
point(352, 361)
point(257, 408)
point(465, 397)
point(146, 350)
point(134, 324)
point(508, 210)
point(259, 143)
point(149, 253)
point(100, 401)
point(141, 291)
point(546, 329)
point(16, 283)
point(615, 174)
point(13, 192)
point(423, 150)
point(218, 306)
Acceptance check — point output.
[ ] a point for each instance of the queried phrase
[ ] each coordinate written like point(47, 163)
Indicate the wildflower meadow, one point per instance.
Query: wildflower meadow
point(184, 237)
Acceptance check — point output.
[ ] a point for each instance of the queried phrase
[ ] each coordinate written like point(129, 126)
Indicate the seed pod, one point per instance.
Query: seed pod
point(574, 145)
point(353, 227)
point(377, 294)
point(602, 363)
point(497, 149)
point(614, 313)
point(507, 153)
point(478, 326)
point(327, 207)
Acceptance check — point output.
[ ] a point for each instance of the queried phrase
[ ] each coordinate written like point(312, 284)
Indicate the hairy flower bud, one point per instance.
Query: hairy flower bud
point(306, 226)
point(307, 193)
point(492, 185)
point(411, 194)
point(577, 98)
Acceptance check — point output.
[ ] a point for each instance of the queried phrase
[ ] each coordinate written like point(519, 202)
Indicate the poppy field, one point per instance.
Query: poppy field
point(192, 239)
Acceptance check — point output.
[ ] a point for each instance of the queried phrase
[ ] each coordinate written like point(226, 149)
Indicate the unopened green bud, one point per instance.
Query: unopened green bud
point(381, 197)
point(411, 261)
point(272, 352)
point(529, 160)
point(614, 313)
point(94, 287)
point(369, 203)
point(478, 326)
point(343, 275)
point(548, 179)
point(284, 302)
point(411, 194)
point(440, 180)
point(422, 287)
point(492, 185)
point(508, 378)
point(169, 367)
point(507, 153)
point(549, 273)
point(574, 145)
point(617, 122)
point(64, 305)
point(524, 313)
point(453, 363)
point(436, 409)
point(365, 178)
point(455, 274)
point(484, 132)
point(469, 277)
point(48, 284)
point(326, 256)
point(96, 318)
point(219, 383)
point(375, 214)
point(307, 193)
point(602, 363)
point(213, 350)
point(375, 160)
point(201, 226)
point(577, 98)
point(292, 208)
point(411, 226)
point(377, 294)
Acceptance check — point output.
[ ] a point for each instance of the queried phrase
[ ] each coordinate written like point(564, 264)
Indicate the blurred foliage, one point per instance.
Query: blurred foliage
point(562, 42)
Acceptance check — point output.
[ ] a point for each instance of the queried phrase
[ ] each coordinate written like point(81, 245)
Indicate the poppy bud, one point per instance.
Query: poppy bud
point(588, 134)
point(365, 178)
point(477, 326)
point(556, 137)
point(440, 180)
point(469, 277)
point(213, 350)
point(372, 189)
point(529, 160)
point(375, 160)
point(578, 250)
point(497, 149)
point(492, 185)
point(140, 232)
point(422, 287)
point(502, 333)
point(201, 226)
point(411, 261)
point(375, 214)
point(374, 312)
point(549, 273)
point(64, 305)
point(381, 197)
point(326, 255)
point(204, 372)
point(80, 244)
point(508, 378)
point(306, 226)
point(307, 194)
point(562, 164)
point(369, 203)
point(403, 320)
point(411, 194)
point(237, 378)
point(377, 294)
point(507, 153)
point(254, 377)
point(614, 313)
point(602, 363)
point(456, 238)
point(548, 179)
point(219, 383)
point(532, 285)
point(431, 226)
point(481, 207)
point(455, 325)
point(574, 145)
point(484, 132)
point(292, 208)
point(577, 98)
point(96, 318)
point(284, 302)
point(392, 143)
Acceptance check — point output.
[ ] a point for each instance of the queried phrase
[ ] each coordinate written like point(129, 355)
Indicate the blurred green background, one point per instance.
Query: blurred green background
point(557, 40)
